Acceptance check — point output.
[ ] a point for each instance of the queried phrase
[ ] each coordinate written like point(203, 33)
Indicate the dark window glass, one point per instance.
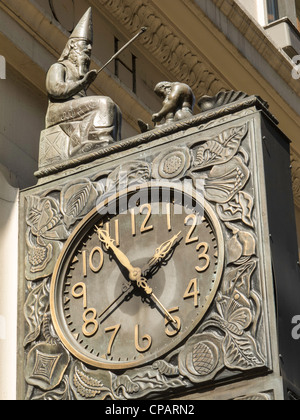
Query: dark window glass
point(273, 13)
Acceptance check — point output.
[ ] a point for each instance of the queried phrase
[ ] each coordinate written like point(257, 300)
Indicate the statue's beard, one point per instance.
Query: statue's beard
point(82, 61)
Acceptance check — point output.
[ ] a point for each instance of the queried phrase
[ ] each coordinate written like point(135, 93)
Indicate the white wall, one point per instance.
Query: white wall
point(256, 8)
point(8, 284)
point(22, 116)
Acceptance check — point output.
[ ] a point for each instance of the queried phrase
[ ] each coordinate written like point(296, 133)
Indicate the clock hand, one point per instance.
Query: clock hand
point(142, 283)
point(125, 290)
point(134, 272)
point(161, 252)
point(163, 308)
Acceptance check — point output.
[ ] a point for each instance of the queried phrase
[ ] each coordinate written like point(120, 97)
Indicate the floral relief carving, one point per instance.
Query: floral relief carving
point(45, 232)
point(172, 164)
point(221, 148)
point(295, 167)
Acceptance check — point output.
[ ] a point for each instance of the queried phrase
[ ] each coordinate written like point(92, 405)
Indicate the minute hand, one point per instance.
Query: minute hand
point(134, 272)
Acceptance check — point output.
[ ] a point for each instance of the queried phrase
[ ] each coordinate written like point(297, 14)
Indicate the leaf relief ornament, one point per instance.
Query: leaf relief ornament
point(221, 148)
point(90, 384)
point(235, 316)
point(226, 180)
point(128, 174)
point(44, 218)
point(44, 236)
point(239, 208)
point(47, 361)
point(241, 247)
point(77, 200)
point(34, 310)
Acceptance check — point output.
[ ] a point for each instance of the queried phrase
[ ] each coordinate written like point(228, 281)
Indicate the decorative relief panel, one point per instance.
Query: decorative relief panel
point(295, 166)
point(162, 42)
point(229, 342)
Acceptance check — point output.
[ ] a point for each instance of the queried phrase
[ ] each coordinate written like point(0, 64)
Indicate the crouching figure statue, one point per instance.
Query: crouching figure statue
point(178, 102)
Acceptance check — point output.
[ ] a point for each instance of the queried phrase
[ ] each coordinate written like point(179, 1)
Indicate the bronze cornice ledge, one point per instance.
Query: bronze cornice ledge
point(159, 132)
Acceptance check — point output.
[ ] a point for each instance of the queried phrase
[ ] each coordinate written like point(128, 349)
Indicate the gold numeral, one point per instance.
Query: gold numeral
point(92, 257)
point(172, 329)
point(146, 338)
point(115, 330)
point(189, 239)
point(144, 227)
point(81, 294)
point(84, 265)
point(117, 233)
point(90, 321)
point(96, 268)
point(168, 211)
point(192, 292)
point(133, 227)
point(203, 256)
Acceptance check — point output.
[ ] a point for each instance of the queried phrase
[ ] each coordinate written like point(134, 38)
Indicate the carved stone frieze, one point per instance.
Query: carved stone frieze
point(262, 396)
point(164, 44)
point(231, 339)
point(295, 166)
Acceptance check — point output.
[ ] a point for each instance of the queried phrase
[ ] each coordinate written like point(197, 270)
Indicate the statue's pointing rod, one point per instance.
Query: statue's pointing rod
point(123, 48)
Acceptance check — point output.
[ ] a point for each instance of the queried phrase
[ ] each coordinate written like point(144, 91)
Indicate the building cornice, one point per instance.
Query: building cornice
point(25, 21)
point(164, 45)
point(238, 47)
point(295, 168)
point(259, 39)
point(182, 42)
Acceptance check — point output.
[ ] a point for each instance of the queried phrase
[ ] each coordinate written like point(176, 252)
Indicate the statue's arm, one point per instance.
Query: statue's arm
point(60, 89)
point(170, 104)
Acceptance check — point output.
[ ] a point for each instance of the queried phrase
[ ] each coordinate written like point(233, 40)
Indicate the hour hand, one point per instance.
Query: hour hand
point(104, 237)
point(134, 272)
point(161, 252)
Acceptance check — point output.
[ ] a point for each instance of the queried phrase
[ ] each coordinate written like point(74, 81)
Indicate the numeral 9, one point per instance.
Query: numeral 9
point(81, 294)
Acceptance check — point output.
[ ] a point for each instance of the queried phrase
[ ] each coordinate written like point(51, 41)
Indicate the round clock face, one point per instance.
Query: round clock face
point(137, 276)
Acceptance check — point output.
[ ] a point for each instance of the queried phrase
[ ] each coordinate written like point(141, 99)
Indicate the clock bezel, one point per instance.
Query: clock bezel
point(64, 260)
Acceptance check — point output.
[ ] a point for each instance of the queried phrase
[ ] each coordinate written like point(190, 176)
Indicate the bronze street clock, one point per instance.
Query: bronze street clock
point(146, 271)
point(136, 276)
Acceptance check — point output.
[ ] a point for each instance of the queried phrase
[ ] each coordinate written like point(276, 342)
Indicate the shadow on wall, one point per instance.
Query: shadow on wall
point(2, 67)
point(8, 283)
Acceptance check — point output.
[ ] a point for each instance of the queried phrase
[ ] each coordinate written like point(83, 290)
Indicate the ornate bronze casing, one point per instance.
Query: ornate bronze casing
point(235, 159)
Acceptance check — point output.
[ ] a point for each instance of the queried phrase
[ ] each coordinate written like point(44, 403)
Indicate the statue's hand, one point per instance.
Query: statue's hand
point(90, 77)
point(156, 118)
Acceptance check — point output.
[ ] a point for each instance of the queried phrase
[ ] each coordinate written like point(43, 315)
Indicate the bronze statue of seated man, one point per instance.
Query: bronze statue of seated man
point(90, 122)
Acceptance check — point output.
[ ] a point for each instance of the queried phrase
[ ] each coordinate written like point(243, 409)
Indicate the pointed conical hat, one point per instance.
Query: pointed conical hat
point(84, 28)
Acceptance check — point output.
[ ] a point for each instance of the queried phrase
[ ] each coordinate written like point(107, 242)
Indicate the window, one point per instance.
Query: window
point(273, 13)
point(298, 14)
point(130, 70)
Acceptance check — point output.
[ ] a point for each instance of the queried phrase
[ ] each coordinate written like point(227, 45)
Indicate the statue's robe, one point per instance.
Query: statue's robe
point(83, 118)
